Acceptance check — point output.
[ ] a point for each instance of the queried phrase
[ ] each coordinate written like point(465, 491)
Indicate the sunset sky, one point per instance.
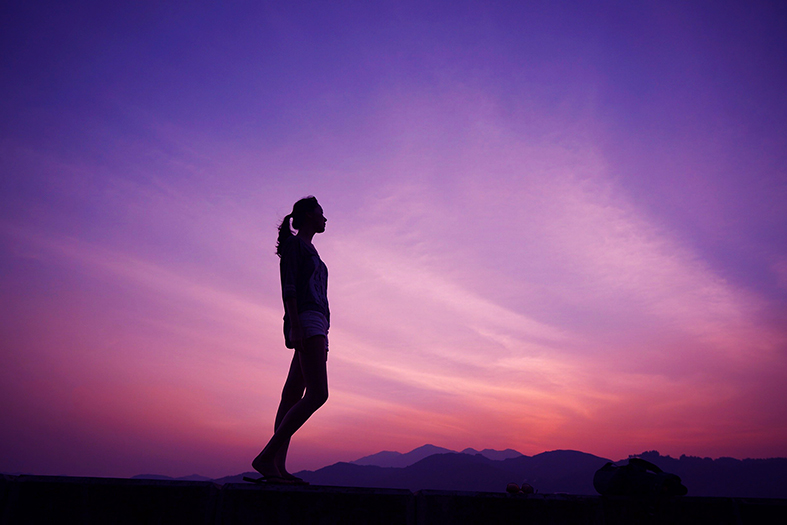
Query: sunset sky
point(551, 225)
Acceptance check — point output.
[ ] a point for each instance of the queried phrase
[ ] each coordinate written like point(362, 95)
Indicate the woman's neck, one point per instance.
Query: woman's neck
point(306, 235)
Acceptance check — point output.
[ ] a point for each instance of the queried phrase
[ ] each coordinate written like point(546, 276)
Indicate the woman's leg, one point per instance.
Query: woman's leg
point(290, 395)
point(312, 361)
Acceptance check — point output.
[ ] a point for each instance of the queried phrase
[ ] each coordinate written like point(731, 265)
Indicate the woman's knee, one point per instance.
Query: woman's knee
point(317, 396)
point(291, 394)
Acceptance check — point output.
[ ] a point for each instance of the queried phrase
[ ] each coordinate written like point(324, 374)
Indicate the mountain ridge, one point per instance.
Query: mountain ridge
point(388, 458)
point(559, 471)
point(556, 471)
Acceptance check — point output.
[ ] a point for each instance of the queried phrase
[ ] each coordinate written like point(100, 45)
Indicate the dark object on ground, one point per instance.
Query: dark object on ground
point(638, 478)
point(526, 488)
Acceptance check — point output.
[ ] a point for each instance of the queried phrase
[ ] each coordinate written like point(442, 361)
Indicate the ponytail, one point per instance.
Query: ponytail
point(284, 233)
point(299, 211)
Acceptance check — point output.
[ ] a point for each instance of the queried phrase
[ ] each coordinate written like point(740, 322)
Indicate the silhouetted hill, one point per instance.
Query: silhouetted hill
point(748, 478)
point(559, 471)
point(454, 471)
point(151, 476)
point(397, 459)
point(350, 475)
point(387, 458)
point(497, 455)
point(238, 478)
point(566, 471)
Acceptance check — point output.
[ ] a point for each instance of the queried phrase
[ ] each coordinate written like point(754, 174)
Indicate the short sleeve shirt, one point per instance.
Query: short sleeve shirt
point(303, 276)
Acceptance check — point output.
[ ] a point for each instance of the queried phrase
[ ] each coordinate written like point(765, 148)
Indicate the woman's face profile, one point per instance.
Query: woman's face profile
point(318, 219)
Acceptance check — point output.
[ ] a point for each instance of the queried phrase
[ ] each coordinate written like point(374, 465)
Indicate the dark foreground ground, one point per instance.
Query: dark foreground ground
point(49, 499)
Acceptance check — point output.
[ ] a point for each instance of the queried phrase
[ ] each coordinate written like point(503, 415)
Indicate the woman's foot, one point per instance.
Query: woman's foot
point(266, 468)
point(289, 477)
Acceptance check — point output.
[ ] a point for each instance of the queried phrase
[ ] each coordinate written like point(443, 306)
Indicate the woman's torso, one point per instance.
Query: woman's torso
point(304, 276)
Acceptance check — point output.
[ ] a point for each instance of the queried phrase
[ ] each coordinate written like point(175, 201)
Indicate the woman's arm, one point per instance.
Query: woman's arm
point(289, 271)
point(296, 330)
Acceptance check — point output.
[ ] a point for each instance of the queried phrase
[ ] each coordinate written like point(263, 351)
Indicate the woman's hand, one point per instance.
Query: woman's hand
point(296, 334)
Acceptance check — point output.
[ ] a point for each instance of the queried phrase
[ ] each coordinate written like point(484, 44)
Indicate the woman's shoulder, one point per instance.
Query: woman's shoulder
point(289, 242)
point(289, 247)
point(295, 245)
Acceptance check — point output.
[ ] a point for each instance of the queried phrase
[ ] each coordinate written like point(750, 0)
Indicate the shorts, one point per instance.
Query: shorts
point(314, 323)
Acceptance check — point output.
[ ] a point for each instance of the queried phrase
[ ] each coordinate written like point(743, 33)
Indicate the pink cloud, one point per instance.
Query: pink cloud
point(529, 253)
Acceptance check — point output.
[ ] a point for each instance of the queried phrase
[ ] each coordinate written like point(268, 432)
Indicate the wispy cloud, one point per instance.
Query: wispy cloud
point(539, 234)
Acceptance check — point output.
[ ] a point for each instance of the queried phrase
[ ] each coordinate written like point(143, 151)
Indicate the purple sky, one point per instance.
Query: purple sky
point(550, 225)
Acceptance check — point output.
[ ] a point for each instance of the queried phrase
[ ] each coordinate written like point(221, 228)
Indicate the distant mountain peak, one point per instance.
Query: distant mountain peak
point(399, 460)
point(497, 455)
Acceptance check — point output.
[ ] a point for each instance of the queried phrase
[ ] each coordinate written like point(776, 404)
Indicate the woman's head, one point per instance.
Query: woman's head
point(301, 211)
point(306, 211)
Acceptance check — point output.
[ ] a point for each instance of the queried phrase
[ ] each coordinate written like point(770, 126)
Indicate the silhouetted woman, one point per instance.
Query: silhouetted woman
point(304, 286)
